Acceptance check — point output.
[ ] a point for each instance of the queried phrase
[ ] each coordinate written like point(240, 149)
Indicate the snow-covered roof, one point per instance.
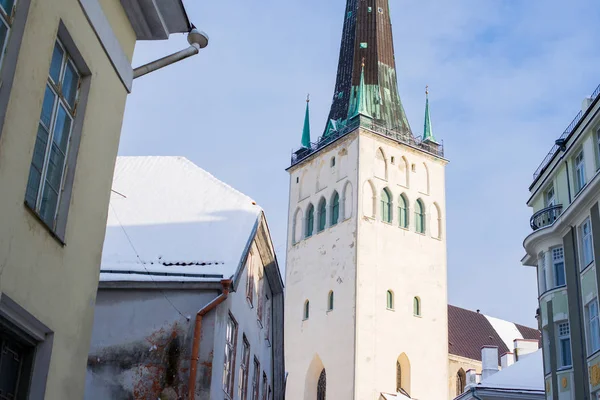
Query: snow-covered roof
point(526, 374)
point(507, 331)
point(169, 220)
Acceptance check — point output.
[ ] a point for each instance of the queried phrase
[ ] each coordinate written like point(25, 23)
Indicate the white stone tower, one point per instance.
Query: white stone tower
point(366, 285)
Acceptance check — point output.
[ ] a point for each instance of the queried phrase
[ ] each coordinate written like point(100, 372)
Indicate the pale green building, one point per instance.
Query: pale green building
point(563, 246)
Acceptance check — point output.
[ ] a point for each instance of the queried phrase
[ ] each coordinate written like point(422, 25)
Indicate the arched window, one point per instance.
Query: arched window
point(461, 381)
point(330, 301)
point(386, 206)
point(403, 375)
point(417, 307)
point(335, 208)
point(390, 300)
point(306, 311)
point(322, 215)
point(380, 165)
point(403, 212)
point(310, 221)
point(322, 385)
point(420, 217)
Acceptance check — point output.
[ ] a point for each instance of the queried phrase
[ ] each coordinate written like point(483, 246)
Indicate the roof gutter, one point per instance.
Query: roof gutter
point(474, 394)
point(226, 283)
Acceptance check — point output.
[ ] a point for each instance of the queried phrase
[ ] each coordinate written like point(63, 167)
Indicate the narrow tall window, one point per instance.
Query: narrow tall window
point(461, 379)
point(579, 172)
point(261, 296)
point(250, 282)
point(229, 363)
point(322, 215)
point(256, 380)
point(593, 326)
point(558, 263)
point(550, 197)
point(6, 19)
point(46, 183)
point(335, 209)
point(587, 250)
point(268, 320)
point(306, 310)
point(244, 367)
point(419, 217)
point(322, 386)
point(330, 301)
point(564, 344)
point(403, 212)
point(386, 206)
point(417, 307)
point(310, 221)
point(542, 272)
point(265, 386)
point(398, 377)
point(390, 300)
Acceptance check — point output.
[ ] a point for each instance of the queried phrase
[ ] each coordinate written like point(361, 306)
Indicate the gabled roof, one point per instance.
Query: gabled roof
point(468, 331)
point(169, 220)
point(526, 374)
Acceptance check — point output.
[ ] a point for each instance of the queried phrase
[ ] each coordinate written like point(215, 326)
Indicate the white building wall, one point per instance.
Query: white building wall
point(411, 265)
point(324, 262)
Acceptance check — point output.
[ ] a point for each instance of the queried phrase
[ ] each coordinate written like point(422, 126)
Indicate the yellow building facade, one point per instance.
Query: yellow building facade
point(64, 79)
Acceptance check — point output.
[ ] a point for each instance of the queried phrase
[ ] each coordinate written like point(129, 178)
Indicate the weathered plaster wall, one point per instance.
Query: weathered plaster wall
point(55, 283)
point(409, 264)
point(317, 265)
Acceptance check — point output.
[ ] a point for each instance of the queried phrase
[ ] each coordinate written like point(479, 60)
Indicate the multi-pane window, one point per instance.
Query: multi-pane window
point(335, 209)
point(587, 251)
point(310, 221)
point(256, 380)
point(46, 175)
point(250, 283)
point(579, 171)
point(386, 206)
point(6, 20)
point(564, 344)
point(542, 272)
point(593, 326)
point(244, 366)
point(550, 197)
point(420, 217)
point(13, 368)
point(558, 263)
point(265, 386)
point(229, 363)
point(322, 215)
point(402, 212)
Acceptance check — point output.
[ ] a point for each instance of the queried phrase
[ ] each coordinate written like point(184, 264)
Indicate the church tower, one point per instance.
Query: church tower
point(366, 286)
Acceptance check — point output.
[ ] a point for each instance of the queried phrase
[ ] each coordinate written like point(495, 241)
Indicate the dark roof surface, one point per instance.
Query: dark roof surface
point(469, 331)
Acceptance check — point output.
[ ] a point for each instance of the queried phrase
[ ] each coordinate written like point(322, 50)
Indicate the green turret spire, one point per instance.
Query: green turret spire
point(428, 132)
point(361, 96)
point(306, 130)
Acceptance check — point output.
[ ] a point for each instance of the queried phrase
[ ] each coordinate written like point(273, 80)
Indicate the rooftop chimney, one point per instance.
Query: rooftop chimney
point(507, 360)
point(489, 361)
point(473, 378)
point(524, 347)
point(587, 102)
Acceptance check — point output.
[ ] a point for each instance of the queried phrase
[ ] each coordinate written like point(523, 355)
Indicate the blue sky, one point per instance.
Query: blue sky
point(506, 77)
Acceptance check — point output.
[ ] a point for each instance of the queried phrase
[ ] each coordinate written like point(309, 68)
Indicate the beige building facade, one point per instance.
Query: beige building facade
point(65, 75)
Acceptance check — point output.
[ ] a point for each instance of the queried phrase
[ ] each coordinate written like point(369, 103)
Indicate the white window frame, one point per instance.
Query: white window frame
point(579, 171)
point(593, 326)
point(229, 358)
point(558, 257)
point(244, 369)
point(563, 333)
point(550, 196)
point(586, 245)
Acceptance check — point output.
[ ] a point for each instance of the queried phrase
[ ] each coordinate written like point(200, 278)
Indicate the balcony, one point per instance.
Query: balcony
point(545, 217)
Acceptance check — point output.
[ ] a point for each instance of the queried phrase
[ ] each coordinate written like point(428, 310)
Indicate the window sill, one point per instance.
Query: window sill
point(417, 316)
point(304, 319)
point(421, 233)
point(588, 266)
point(390, 309)
point(328, 311)
point(45, 225)
point(405, 228)
point(564, 369)
point(594, 354)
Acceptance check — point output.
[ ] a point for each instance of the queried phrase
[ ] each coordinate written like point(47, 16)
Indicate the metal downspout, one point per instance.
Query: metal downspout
point(198, 333)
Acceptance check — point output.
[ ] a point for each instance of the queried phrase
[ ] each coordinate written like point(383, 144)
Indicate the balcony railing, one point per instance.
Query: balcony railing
point(545, 217)
point(565, 134)
point(368, 124)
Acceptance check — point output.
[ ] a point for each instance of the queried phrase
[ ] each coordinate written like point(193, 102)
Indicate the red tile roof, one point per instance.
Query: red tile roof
point(468, 331)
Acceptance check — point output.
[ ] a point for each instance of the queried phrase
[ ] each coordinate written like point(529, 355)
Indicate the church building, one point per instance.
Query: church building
point(366, 280)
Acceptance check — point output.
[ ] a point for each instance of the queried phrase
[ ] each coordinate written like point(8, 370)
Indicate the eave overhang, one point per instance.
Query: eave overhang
point(156, 19)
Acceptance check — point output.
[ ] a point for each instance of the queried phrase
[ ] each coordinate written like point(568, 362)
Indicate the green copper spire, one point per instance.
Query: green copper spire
point(306, 130)
point(361, 95)
point(427, 133)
